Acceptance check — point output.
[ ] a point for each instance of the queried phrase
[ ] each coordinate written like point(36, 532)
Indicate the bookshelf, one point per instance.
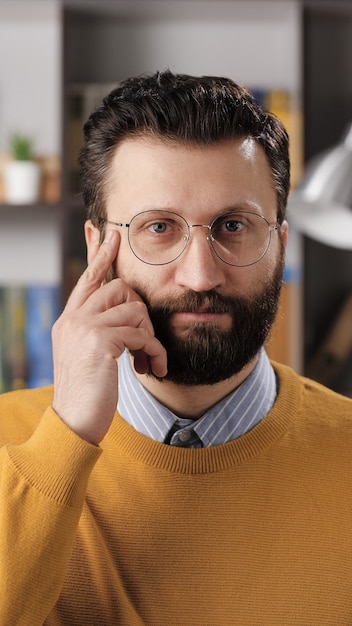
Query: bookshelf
point(29, 292)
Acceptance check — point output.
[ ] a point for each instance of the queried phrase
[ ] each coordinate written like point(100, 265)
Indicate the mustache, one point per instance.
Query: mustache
point(191, 301)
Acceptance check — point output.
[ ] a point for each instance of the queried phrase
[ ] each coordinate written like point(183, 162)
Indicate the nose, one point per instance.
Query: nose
point(198, 268)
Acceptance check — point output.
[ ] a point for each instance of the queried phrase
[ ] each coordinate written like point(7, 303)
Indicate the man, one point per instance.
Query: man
point(218, 493)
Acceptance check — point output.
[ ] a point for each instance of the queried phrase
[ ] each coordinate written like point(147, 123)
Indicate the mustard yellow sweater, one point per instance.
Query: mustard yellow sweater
point(256, 532)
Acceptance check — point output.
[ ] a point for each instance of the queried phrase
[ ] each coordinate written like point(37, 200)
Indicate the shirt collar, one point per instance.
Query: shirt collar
point(230, 418)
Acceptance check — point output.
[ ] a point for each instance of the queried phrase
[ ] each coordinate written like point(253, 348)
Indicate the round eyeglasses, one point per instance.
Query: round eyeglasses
point(239, 238)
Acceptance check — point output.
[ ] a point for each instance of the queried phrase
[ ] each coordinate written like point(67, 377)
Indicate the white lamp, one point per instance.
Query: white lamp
point(321, 207)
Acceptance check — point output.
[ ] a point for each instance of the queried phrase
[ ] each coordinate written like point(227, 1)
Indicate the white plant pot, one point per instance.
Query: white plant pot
point(22, 182)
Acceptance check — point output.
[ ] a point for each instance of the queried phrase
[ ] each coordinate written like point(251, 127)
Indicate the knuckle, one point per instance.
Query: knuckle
point(91, 274)
point(141, 308)
point(66, 324)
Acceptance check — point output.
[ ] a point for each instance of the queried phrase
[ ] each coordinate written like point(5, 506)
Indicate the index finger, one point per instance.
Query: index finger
point(96, 271)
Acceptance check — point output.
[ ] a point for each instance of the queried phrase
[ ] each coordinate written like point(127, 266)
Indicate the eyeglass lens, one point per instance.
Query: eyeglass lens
point(238, 238)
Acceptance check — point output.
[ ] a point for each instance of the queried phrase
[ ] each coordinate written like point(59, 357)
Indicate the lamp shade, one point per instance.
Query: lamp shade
point(321, 207)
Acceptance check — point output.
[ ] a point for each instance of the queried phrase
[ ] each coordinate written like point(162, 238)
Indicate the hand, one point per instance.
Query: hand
point(97, 324)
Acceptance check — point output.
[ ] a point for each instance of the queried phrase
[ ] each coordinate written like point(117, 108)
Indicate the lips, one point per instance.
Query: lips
point(183, 320)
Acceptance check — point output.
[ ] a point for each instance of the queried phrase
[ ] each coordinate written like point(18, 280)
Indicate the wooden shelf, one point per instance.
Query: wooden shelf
point(41, 206)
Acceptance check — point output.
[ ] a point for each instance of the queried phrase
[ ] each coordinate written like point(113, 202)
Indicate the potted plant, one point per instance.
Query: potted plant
point(21, 173)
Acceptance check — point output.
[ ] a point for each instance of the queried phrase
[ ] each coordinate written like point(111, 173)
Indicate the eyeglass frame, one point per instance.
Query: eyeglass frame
point(271, 228)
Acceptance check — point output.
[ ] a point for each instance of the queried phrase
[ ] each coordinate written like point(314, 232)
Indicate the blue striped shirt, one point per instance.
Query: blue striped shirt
point(230, 418)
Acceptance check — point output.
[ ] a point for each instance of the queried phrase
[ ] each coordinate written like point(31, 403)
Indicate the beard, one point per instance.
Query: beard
point(207, 355)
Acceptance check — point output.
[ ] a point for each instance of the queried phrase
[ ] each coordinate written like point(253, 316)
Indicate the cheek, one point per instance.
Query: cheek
point(274, 266)
point(262, 274)
point(152, 283)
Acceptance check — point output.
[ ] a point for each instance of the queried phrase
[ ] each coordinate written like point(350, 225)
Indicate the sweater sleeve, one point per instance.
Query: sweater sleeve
point(42, 489)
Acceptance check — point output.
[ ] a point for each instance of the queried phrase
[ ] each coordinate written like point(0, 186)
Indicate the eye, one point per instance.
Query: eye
point(229, 224)
point(167, 226)
point(232, 226)
point(158, 227)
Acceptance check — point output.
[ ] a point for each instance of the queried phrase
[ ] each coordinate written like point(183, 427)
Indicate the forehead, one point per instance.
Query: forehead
point(149, 173)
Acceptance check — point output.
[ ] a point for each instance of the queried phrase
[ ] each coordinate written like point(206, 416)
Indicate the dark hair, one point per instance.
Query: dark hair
point(178, 107)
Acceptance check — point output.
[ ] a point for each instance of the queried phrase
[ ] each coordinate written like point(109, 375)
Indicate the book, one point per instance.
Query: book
point(13, 302)
point(42, 309)
point(2, 371)
point(286, 107)
point(27, 315)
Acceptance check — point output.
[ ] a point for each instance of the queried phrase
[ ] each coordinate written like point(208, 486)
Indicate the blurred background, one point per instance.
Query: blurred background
point(58, 58)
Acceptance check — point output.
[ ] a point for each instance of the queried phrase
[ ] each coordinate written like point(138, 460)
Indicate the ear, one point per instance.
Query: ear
point(92, 236)
point(284, 233)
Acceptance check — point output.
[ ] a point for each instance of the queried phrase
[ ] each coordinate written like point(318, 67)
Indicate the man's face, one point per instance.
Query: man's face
point(211, 317)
